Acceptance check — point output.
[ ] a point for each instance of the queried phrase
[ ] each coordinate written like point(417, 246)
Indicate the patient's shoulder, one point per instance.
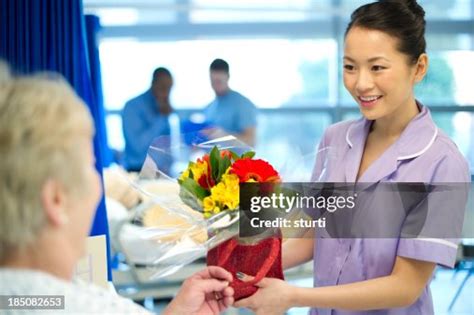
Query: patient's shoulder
point(79, 297)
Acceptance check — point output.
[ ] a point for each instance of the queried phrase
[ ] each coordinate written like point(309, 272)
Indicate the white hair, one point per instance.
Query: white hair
point(41, 121)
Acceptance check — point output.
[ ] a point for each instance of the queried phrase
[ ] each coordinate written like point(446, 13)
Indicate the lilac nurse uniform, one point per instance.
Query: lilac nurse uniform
point(423, 153)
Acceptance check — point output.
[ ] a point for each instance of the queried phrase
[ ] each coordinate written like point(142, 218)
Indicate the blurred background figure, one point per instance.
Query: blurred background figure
point(230, 111)
point(145, 118)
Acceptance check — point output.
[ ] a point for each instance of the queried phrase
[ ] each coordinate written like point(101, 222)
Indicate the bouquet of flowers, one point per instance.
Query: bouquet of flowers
point(211, 185)
point(192, 210)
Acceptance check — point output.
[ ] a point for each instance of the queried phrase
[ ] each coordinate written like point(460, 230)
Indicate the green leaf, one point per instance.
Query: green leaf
point(189, 199)
point(214, 158)
point(223, 166)
point(249, 154)
point(193, 187)
point(235, 156)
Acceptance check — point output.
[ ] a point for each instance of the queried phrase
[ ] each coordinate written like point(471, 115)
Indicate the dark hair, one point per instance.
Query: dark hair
point(219, 65)
point(160, 72)
point(402, 19)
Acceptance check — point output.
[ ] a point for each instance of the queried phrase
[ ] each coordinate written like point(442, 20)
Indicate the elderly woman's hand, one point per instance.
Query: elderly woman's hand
point(206, 292)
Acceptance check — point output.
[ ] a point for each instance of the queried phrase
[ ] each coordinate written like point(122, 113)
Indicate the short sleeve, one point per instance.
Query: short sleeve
point(432, 231)
point(247, 117)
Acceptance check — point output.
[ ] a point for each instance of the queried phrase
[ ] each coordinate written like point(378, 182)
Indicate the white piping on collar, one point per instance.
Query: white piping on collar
point(347, 136)
point(414, 155)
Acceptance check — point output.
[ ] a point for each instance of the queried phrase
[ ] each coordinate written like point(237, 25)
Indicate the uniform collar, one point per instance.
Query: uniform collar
point(414, 141)
point(418, 136)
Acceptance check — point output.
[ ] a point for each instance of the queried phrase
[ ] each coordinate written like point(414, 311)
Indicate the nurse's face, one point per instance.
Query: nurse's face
point(376, 74)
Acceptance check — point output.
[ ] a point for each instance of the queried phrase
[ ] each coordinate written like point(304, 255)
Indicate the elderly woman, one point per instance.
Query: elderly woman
point(49, 189)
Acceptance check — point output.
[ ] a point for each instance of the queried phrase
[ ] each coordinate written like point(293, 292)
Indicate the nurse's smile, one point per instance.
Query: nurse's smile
point(369, 101)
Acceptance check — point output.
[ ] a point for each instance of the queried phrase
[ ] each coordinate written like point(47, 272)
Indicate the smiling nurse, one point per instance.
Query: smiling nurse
point(395, 140)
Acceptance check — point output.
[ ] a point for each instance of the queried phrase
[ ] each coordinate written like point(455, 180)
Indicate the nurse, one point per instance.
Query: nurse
point(396, 140)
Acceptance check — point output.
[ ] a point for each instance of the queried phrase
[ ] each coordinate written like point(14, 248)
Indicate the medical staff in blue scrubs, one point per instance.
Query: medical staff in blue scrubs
point(396, 141)
point(230, 111)
point(145, 118)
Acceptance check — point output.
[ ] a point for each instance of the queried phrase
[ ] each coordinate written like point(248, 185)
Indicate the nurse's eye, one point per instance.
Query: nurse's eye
point(378, 68)
point(349, 67)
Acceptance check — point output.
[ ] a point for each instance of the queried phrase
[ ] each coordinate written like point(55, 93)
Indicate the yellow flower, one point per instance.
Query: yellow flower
point(208, 203)
point(226, 193)
point(232, 197)
point(184, 174)
point(218, 192)
point(230, 180)
point(208, 210)
point(199, 168)
point(232, 183)
point(231, 201)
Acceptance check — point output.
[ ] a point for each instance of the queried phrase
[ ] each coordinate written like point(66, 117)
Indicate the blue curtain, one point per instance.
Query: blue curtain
point(92, 28)
point(39, 35)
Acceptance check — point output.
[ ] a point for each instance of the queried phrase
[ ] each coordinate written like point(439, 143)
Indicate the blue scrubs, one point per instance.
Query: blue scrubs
point(231, 112)
point(142, 122)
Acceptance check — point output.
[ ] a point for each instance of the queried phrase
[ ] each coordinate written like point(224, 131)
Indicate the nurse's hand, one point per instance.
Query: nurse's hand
point(206, 292)
point(273, 297)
